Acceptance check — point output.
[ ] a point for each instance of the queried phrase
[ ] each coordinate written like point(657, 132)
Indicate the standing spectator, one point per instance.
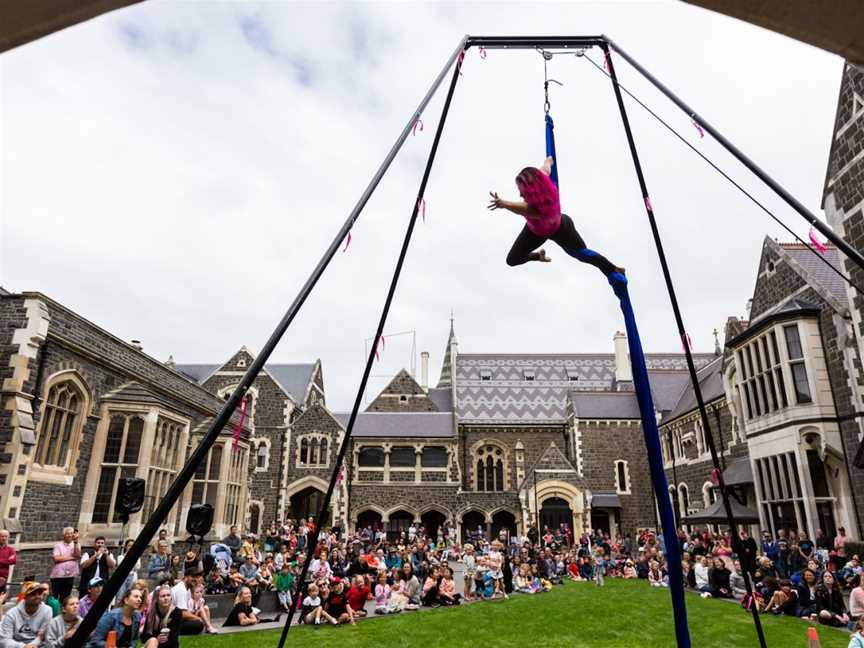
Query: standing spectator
point(64, 625)
point(163, 621)
point(806, 549)
point(65, 555)
point(22, 624)
point(747, 552)
point(94, 589)
point(8, 557)
point(284, 584)
point(782, 562)
point(839, 553)
point(159, 568)
point(95, 564)
point(125, 620)
point(234, 542)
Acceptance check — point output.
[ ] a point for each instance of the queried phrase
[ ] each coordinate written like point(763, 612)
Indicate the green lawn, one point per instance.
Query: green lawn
point(624, 614)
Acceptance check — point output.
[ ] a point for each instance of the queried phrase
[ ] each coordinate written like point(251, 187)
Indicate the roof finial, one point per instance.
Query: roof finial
point(717, 350)
point(452, 317)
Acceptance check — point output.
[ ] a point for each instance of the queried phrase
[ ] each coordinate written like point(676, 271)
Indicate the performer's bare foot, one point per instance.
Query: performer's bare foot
point(541, 256)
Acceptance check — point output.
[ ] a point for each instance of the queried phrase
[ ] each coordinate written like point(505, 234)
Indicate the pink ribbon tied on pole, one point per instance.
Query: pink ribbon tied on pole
point(238, 429)
point(379, 342)
point(607, 61)
point(686, 342)
point(819, 245)
point(421, 206)
point(699, 128)
point(482, 52)
point(648, 204)
point(715, 477)
point(418, 125)
point(459, 61)
point(347, 242)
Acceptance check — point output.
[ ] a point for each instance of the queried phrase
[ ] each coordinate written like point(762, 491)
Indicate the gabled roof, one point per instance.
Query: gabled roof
point(294, 379)
point(789, 309)
point(406, 425)
point(817, 269)
point(710, 382)
point(552, 458)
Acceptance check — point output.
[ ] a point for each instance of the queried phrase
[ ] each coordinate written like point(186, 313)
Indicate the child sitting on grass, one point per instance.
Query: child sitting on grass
point(447, 589)
point(312, 611)
point(382, 594)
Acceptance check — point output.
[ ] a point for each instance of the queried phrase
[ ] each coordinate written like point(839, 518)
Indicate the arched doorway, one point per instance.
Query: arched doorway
point(306, 503)
point(399, 521)
point(432, 521)
point(600, 520)
point(371, 519)
point(553, 512)
point(504, 521)
point(470, 521)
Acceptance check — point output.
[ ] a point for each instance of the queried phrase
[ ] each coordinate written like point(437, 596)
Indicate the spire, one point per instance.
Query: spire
point(717, 350)
point(446, 379)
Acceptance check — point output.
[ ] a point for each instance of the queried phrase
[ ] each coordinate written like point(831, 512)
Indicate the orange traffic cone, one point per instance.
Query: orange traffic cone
point(813, 638)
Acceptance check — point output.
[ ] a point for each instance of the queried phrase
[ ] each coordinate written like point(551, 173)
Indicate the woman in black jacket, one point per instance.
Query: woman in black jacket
point(829, 601)
point(718, 578)
point(807, 594)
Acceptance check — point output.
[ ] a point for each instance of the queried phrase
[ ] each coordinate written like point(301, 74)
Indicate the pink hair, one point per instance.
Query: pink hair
point(539, 192)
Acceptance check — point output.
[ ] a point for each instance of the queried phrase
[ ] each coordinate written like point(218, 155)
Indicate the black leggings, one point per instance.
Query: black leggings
point(569, 240)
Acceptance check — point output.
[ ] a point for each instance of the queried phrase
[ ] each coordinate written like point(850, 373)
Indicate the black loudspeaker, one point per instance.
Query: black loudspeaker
point(199, 520)
point(130, 497)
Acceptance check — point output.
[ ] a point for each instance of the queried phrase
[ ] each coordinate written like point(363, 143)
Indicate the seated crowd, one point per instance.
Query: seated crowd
point(790, 575)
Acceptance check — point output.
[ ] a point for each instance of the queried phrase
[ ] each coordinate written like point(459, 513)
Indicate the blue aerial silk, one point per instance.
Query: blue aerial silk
point(550, 148)
point(655, 460)
point(649, 425)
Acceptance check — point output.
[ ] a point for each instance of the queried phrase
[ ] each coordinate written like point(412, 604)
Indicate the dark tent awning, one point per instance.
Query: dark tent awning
point(738, 472)
point(605, 499)
point(22, 21)
point(716, 514)
point(834, 25)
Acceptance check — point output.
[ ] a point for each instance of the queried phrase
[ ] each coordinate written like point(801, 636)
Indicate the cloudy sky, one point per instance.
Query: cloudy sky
point(174, 171)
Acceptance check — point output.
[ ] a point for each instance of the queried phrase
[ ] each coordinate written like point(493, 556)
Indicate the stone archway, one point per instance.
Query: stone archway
point(398, 523)
point(369, 518)
point(470, 521)
point(505, 521)
point(432, 520)
point(572, 497)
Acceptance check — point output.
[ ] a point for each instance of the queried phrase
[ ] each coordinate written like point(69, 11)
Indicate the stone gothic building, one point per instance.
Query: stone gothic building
point(787, 396)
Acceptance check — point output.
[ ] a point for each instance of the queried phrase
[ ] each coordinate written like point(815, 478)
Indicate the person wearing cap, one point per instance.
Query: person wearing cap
point(21, 626)
point(94, 589)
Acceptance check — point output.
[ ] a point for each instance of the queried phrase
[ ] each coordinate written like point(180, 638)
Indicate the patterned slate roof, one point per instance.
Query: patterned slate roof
point(399, 424)
point(442, 397)
point(508, 396)
point(821, 272)
point(605, 405)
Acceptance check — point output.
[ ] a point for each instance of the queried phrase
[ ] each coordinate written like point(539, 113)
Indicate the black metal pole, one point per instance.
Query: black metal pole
point(176, 488)
point(842, 245)
point(682, 332)
point(535, 42)
point(361, 390)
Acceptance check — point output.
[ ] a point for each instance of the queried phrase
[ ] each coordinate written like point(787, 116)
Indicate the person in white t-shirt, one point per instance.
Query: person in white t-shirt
point(181, 598)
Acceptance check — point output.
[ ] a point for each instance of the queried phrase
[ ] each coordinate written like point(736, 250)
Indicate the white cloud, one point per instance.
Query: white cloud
point(173, 171)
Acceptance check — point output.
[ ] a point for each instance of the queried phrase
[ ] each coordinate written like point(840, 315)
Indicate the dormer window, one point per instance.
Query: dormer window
point(241, 362)
point(529, 375)
point(572, 376)
point(403, 399)
point(485, 374)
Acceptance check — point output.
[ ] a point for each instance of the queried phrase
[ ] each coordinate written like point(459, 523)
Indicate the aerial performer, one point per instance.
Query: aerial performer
point(541, 208)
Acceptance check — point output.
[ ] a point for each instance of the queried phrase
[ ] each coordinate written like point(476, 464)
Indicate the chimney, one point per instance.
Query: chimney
point(424, 370)
point(623, 372)
point(136, 344)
